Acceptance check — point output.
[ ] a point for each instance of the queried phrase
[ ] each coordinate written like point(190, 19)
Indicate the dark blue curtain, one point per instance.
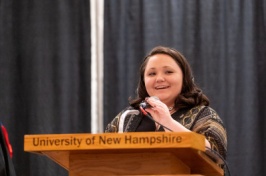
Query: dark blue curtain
point(44, 74)
point(224, 41)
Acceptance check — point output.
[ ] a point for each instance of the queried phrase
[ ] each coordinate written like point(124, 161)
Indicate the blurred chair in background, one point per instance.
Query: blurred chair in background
point(6, 152)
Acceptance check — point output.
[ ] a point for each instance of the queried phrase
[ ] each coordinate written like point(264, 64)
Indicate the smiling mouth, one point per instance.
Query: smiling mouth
point(163, 87)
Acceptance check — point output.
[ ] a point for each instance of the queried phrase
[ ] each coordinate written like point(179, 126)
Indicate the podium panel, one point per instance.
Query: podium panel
point(138, 153)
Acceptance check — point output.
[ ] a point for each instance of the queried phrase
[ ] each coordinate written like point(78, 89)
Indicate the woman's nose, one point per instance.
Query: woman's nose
point(160, 78)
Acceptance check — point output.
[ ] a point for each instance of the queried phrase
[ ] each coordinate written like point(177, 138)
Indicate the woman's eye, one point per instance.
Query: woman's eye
point(151, 73)
point(169, 72)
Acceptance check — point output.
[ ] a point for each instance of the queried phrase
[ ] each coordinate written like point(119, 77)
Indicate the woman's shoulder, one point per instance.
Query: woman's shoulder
point(210, 113)
point(192, 112)
point(200, 110)
point(197, 114)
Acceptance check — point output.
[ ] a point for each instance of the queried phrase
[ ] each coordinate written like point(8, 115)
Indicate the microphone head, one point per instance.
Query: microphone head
point(145, 104)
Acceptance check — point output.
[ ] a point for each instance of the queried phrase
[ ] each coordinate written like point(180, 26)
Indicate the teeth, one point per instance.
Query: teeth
point(161, 87)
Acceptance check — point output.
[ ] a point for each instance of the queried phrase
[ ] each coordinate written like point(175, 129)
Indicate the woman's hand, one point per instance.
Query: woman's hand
point(159, 111)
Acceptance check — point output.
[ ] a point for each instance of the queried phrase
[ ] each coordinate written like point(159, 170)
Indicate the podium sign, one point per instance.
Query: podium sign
point(136, 153)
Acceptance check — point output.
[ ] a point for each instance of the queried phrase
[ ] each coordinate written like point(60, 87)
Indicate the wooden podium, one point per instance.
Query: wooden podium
point(148, 153)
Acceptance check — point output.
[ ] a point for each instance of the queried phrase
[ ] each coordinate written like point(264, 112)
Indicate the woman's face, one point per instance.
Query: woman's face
point(163, 78)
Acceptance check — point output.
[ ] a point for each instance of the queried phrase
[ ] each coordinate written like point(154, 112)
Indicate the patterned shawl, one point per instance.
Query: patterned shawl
point(200, 119)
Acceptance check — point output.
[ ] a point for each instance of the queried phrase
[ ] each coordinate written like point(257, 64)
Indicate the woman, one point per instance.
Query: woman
point(176, 103)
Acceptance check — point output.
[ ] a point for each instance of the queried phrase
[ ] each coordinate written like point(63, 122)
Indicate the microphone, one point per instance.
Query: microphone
point(145, 104)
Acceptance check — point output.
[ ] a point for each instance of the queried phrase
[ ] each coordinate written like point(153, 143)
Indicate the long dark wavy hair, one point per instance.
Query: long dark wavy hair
point(191, 95)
